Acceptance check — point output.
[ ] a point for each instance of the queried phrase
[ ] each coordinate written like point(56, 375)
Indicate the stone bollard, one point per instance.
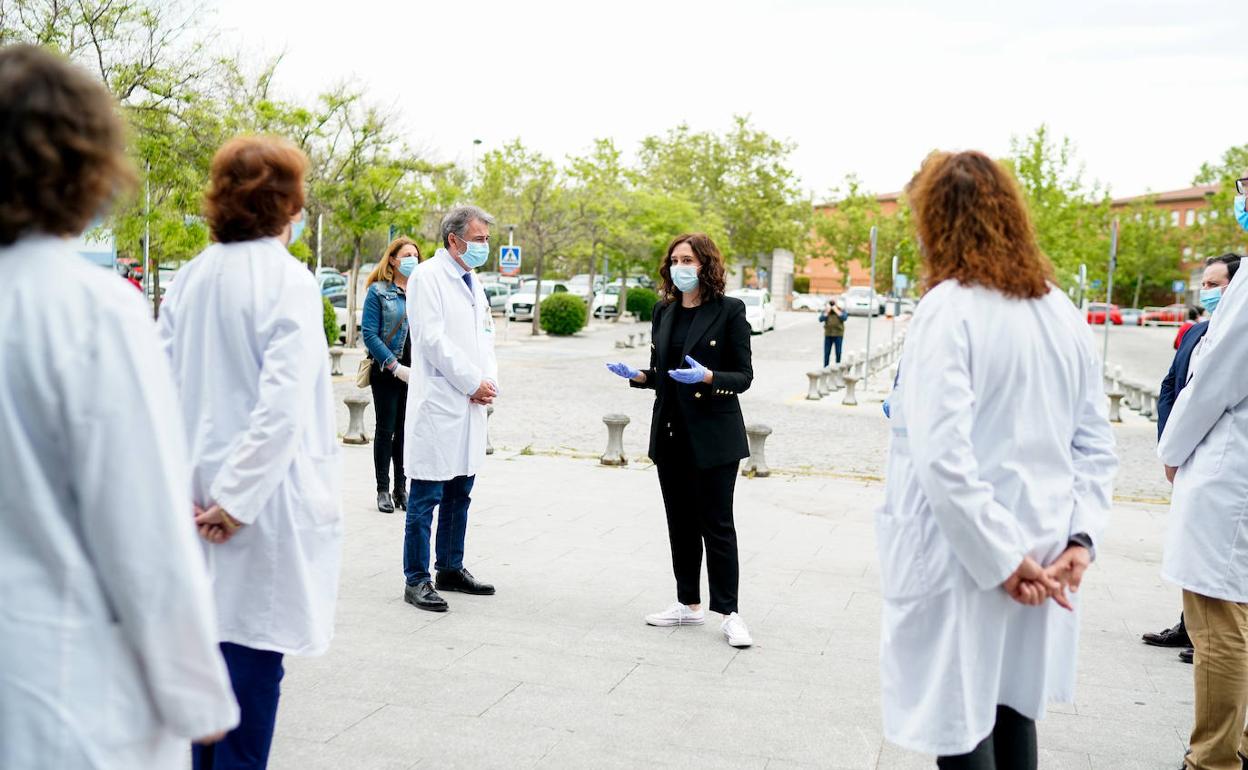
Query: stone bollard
point(1117, 384)
point(355, 424)
point(1115, 407)
point(489, 445)
point(756, 465)
point(619, 345)
point(838, 377)
point(615, 440)
point(641, 339)
point(849, 399)
point(1153, 398)
point(335, 361)
point(631, 341)
point(813, 393)
point(825, 387)
point(1146, 403)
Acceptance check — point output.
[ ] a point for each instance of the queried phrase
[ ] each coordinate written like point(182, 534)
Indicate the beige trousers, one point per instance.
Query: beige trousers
point(1219, 632)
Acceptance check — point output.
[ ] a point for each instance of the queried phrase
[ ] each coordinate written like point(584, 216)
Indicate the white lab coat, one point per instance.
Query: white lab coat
point(242, 324)
point(1000, 448)
point(452, 335)
point(1206, 438)
point(108, 653)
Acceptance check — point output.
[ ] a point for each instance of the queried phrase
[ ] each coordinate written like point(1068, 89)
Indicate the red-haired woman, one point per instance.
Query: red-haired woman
point(242, 324)
point(999, 480)
point(699, 362)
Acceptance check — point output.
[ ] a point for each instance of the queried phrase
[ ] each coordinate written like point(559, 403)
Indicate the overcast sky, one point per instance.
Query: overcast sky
point(1147, 89)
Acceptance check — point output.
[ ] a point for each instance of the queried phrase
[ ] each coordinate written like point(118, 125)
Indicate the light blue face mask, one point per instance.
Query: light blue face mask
point(476, 254)
point(1209, 298)
point(1241, 216)
point(407, 265)
point(685, 277)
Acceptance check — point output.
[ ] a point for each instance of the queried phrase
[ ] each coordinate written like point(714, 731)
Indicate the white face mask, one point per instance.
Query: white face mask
point(685, 277)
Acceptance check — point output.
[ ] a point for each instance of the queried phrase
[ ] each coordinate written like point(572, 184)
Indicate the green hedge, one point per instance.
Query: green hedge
point(641, 302)
point(801, 284)
point(563, 314)
point(330, 319)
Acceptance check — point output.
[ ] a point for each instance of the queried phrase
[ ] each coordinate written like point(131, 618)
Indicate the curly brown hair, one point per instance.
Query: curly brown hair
point(974, 228)
point(255, 189)
point(384, 271)
point(62, 145)
point(710, 274)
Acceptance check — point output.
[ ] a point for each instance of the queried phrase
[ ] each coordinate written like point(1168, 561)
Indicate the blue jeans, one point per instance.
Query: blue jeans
point(256, 677)
point(452, 499)
point(828, 342)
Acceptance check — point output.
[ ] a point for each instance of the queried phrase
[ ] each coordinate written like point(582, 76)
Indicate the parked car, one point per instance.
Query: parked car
point(607, 302)
point(1170, 315)
point(1097, 312)
point(331, 281)
point(815, 302)
point(339, 300)
point(1132, 316)
point(520, 304)
point(861, 300)
point(579, 285)
point(497, 294)
point(759, 310)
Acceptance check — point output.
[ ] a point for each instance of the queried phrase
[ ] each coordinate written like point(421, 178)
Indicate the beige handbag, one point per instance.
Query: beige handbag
point(362, 374)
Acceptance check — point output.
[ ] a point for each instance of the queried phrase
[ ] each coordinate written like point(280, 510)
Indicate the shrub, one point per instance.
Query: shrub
point(801, 284)
point(641, 302)
point(563, 314)
point(330, 320)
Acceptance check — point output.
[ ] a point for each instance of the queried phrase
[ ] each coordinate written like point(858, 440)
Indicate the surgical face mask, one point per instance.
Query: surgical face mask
point(685, 277)
point(475, 254)
point(1241, 216)
point(1209, 298)
point(407, 265)
point(296, 229)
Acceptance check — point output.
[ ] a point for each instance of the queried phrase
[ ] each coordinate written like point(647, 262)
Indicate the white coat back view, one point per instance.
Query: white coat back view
point(108, 655)
point(242, 324)
point(1001, 449)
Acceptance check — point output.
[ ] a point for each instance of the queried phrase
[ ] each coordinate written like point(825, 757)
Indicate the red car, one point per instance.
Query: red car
point(1097, 313)
point(1171, 315)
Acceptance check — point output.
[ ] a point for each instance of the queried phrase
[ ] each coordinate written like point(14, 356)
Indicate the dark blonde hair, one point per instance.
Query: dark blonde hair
point(710, 275)
point(255, 189)
point(62, 146)
point(384, 271)
point(974, 227)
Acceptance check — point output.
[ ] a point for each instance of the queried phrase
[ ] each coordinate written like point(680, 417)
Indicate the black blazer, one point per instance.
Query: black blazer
point(719, 339)
point(1176, 378)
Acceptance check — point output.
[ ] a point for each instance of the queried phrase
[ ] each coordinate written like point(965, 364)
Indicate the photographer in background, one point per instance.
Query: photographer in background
point(833, 319)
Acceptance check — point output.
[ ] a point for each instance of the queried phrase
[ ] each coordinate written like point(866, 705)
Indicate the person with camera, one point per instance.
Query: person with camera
point(833, 319)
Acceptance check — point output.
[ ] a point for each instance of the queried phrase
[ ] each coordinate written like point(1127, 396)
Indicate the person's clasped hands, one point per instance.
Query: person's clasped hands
point(1032, 584)
point(485, 393)
point(216, 525)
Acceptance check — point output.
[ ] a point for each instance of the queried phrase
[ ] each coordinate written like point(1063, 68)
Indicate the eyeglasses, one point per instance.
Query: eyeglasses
point(1241, 185)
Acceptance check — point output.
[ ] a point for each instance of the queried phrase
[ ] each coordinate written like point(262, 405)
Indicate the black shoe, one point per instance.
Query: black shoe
point(384, 503)
point(400, 500)
point(1186, 657)
point(1171, 637)
point(462, 580)
point(424, 597)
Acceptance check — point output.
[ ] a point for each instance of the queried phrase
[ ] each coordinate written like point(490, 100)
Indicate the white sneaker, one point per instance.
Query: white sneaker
point(735, 631)
point(677, 615)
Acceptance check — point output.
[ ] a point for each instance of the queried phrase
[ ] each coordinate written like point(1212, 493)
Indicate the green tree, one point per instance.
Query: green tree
point(1217, 232)
point(600, 195)
point(843, 229)
point(1150, 254)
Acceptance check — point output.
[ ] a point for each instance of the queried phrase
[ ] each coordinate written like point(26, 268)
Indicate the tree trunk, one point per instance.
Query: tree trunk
point(1139, 280)
point(352, 299)
point(537, 297)
point(593, 260)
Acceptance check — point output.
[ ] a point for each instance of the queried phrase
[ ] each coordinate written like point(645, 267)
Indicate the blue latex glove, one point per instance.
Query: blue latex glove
point(694, 374)
point(623, 370)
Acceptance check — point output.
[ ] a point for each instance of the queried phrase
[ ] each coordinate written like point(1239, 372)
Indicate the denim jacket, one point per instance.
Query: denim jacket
point(384, 305)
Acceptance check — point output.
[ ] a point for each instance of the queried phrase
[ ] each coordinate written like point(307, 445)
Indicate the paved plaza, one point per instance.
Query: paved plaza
point(558, 669)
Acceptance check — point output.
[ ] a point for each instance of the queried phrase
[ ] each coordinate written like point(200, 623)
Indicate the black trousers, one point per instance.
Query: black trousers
point(1011, 746)
point(390, 407)
point(699, 513)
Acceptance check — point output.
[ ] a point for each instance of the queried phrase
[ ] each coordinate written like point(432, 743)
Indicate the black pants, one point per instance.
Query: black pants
point(390, 406)
point(699, 511)
point(1011, 746)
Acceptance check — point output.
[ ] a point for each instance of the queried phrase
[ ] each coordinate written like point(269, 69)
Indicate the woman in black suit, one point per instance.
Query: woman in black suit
point(699, 362)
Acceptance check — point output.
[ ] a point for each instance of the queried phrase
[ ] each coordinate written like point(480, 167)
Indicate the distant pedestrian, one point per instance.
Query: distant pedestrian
point(108, 644)
point(990, 509)
point(1205, 449)
point(1193, 317)
point(384, 327)
point(454, 378)
point(243, 326)
point(833, 318)
point(697, 436)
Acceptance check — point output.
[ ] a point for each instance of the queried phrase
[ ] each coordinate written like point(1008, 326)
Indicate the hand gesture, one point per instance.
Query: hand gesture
point(625, 371)
point(694, 374)
point(485, 393)
point(215, 525)
point(1068, 572)
point(1030, 585)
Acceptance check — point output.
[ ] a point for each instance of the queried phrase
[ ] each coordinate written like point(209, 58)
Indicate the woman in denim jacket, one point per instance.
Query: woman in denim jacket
point(384, 326)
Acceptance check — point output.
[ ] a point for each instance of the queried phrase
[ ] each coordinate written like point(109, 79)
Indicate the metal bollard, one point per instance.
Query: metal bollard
point(756, 465)
point(851, 382)
point(615, 440)
point(335, 361)
point(489, 445)
point(813, 393)
point(1115, 407)
point(355, 424)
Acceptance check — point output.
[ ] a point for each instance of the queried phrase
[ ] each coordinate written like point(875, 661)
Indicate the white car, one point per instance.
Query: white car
point(607, 302)
point(519, 305)
point(339, 301)
point(497, 294)
point(815, 302)
point(861, 300)
point(758, 308)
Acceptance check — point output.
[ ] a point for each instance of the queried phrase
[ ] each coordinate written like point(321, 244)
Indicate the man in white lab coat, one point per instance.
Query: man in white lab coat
point(108, 654)
point(1206, 551)
point(453, 378)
